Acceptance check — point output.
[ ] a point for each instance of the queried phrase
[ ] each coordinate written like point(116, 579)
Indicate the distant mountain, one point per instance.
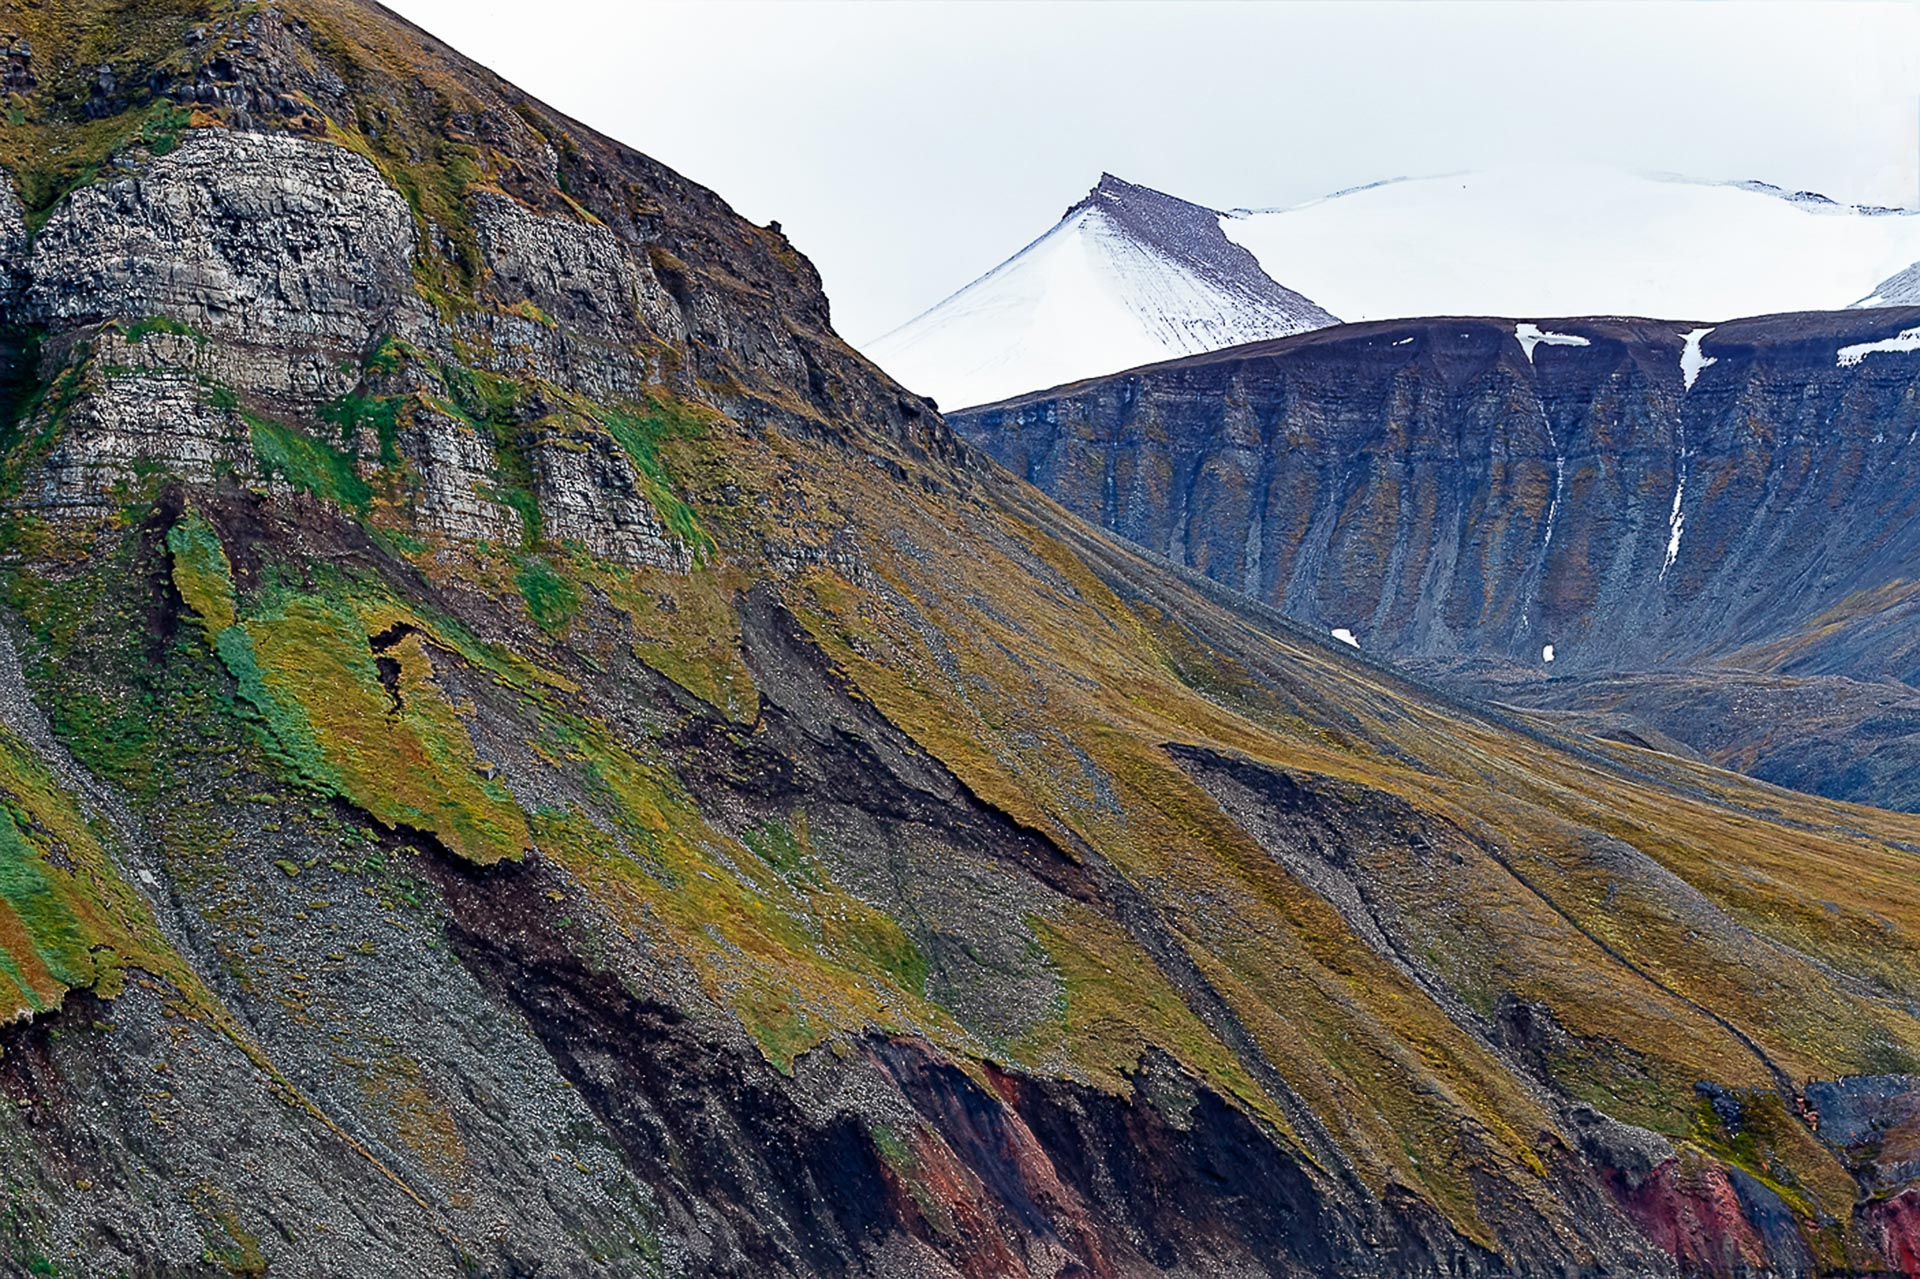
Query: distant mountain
point(1578, 240)
point(1896, 290)
point(1709, 531)
point(1131, 276)
point(1127, 276)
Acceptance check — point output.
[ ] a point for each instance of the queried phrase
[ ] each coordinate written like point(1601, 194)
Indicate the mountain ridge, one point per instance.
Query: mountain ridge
point(1652, 497)
point(1535, 239)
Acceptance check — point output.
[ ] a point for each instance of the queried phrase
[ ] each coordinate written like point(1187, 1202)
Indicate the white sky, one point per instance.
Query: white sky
point(908, 147)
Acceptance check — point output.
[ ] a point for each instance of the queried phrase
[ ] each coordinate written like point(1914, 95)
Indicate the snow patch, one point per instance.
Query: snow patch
point(146, 877)
point(1676, 521)
point(1574, 239)
point(1908, 340)
point(1559, 484)
point(1530, 335)
point(1345, 636)
point(1403, 341)
point(1692, 359)
point(1546, 653)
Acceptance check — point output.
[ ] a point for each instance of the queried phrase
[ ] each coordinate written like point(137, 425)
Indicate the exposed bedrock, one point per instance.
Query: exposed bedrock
point(1508, 504)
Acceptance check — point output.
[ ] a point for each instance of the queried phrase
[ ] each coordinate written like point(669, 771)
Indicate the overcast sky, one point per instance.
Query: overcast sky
point(907, 147)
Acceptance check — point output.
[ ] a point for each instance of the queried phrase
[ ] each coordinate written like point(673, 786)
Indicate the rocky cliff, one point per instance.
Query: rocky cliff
point(524, 755)
point(1522, 506)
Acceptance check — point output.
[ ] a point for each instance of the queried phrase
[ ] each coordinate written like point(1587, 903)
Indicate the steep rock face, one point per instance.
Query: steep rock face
point(1443, 490)
point(578, 273)
point(270, 267)
point(587, 492)
point(244, 236)
point(1463, 494)
point(595, 781)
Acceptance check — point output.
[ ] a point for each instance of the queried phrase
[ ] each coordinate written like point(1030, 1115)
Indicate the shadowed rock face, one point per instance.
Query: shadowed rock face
point(1653, 497)
point(1190, 234)
point(521, 755)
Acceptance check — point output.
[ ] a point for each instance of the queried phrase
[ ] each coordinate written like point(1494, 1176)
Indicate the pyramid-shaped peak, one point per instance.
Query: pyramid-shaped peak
point(1111, 191)
point(1144, 275)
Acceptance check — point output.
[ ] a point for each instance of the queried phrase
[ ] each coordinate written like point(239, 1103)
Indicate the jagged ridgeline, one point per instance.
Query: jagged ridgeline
point(526, 755)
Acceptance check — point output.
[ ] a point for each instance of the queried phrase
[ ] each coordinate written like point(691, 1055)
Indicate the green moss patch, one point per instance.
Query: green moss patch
point(67, 919)
point(551, 599)
point(378, 414)
point(201, 573)
point(391, 743)
point(306, 464)
point(644, 434)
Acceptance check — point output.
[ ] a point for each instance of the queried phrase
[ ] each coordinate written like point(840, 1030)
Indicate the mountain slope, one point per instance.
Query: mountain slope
point(1127, 276)
point(527, 757)
point(1577, 240)
point(1642, 496)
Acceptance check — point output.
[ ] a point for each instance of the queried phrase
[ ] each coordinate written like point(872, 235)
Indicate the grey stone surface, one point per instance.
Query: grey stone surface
point(251, 237)
point(588, 493)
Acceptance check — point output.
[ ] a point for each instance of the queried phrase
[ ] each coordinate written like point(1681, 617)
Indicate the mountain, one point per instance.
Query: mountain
point(1902, 289)
point(1521, 240)
point(1711, 527)
point(525, 755)
point(1127, 276)
point(1578, 240)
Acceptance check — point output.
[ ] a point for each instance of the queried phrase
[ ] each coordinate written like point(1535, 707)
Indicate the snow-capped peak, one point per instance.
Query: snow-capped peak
point(1128, 276)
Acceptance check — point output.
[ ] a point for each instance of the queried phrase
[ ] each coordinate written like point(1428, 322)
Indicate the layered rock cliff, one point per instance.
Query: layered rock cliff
point(1515, 505)
point(525, 756)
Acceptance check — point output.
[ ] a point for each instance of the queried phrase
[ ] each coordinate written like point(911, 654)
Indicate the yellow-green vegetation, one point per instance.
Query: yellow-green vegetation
point(686, 627)
point(371, 726)
point(1115, 1004)
point(49, 142)
point(201, 573)
point(230, 1245)
point(1659, 928)
point(434, 166)
point(759, 917)
point(551, 599)
point(69, 917)
point(647, 434)
point(1775, 1147)
point(421, 1120)
point(1051, 687)
point(1550, 900)
point(862, 938)
point(392, 743)
point(1848, 614)
point(66, 918)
